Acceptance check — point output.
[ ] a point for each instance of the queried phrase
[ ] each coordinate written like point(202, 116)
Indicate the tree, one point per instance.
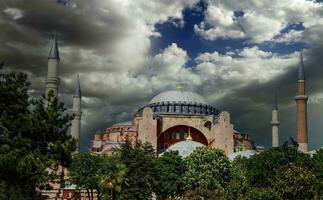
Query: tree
point(85, 172)
point(295, 181)
point(201, 194)
point(317, 161)
point(112, 175)
point(269, 175)
point(30, 135)
point(239, 184)
point(171, 168)
point(140, 161)
point(261, 168)
point(49, 125)
point(22, 169)
point(256, 193)
point(206, 169)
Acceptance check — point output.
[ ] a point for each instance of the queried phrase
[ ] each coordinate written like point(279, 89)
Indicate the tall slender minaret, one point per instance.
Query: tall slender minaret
point(274, 121)
point(76, 112)
point(52, 81)
point(301, 104)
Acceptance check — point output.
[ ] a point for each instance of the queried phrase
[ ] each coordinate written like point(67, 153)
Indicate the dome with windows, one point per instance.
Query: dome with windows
point(178, 96)
point(181, 102)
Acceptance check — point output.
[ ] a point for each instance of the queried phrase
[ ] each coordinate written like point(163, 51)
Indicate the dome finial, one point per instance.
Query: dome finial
point(179, 87)
point(189, 137)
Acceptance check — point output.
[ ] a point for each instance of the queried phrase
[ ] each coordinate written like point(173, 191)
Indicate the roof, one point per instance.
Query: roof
point(178, 96)
point(247, 154)
point(185, 148)
point(53, 53)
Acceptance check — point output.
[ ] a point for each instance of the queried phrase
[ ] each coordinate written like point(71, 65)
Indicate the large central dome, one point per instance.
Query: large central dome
point(178, 96)
point(180, 103)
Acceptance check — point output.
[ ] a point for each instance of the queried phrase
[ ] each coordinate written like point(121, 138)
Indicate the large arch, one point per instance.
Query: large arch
point(179, 133)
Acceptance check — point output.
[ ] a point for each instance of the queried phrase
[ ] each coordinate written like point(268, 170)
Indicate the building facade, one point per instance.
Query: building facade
point(172, 117)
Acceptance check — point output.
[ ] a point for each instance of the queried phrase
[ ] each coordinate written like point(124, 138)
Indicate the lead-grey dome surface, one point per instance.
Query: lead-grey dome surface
point(185, 148)
point(178, 96)
point(246, 154)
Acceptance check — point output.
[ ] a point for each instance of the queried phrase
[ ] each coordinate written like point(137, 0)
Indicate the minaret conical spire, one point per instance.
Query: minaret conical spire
point(301, 70)
point(78, 88)
point(275, 121)
point(77, 113)
point(54, 53)
point(301, 108)
point(275, 103)
point(52, 80)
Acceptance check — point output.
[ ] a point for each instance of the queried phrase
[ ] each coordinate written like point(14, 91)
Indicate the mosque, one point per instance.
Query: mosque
point(172, 120)
point(179, 120)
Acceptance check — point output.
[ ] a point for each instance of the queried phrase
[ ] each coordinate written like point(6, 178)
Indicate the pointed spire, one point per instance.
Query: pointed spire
point(78, 88)
point(301, 70)
point(275, 103)
point(54, 54)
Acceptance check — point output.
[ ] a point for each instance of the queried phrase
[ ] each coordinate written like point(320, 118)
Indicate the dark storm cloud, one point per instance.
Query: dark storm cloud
point(75, 25)
point(25, 41)
point(251, 106)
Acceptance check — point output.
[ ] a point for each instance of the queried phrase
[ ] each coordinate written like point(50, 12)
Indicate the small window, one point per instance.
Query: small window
point(178, 136)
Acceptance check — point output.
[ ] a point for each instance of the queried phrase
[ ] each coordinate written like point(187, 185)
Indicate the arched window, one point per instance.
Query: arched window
point(178, 136)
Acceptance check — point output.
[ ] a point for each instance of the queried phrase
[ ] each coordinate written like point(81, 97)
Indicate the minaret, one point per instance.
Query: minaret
point(52, 81)
point(301, 104)
point(76, 113)
point(274, 121)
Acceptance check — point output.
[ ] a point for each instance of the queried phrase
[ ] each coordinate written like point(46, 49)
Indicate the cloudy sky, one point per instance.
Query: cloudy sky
point(126, 51)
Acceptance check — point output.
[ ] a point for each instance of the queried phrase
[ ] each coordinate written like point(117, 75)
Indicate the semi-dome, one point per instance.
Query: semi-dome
point(178, 96)
point(185, 148)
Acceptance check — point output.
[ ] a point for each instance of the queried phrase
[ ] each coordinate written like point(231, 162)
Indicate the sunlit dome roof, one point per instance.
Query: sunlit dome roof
point(246, 154)
point(178, 96)
point(185, 148)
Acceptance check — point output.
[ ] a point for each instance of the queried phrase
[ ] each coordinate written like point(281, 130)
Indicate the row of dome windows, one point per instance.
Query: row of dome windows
point(184, 108)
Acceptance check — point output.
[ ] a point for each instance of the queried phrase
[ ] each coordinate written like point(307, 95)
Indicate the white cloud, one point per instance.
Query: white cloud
point(15, 13)
point(223, 23)
point(245, 67)
point(262, 20)
point(291, 36)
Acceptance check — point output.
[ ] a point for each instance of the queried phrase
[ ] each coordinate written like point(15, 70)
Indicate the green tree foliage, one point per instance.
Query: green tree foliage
point(201, 194)
point(317, 161)
point(269, 175)
point(255, 193)
point(206, 169)
point(295, 181)
point(140, 161)
point(85, 172)
point(32, 138)
point(112, 175)
point(239, 184)
point(171, 168)
point(262, 167)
